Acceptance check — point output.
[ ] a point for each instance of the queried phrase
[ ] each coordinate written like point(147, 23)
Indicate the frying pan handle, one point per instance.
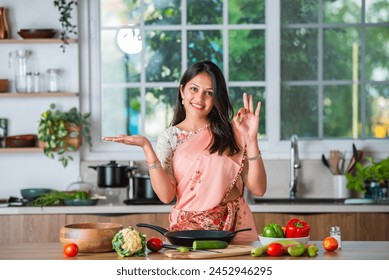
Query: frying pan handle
point(161, 230)
point(233, 233)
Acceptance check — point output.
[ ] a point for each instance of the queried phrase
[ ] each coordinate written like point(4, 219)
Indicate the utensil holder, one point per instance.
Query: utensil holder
point(339, 183)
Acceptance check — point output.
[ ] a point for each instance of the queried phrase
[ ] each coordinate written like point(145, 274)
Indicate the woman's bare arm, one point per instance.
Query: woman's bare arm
point(161, 183)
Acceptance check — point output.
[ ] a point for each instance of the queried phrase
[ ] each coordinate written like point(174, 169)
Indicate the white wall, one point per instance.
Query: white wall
point(26, 170)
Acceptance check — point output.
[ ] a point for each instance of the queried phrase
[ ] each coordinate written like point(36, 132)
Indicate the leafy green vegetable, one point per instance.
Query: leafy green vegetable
point(56, 198)
point(373, 171)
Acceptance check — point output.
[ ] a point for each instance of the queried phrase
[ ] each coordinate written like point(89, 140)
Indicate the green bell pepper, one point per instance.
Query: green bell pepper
point(273, 230)
point(80, 195)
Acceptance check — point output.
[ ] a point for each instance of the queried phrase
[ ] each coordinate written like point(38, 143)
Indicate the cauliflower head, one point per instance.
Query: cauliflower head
point(129, 242)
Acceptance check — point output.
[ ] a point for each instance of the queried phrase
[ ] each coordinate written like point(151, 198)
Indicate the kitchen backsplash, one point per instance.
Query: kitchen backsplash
point(315, 180)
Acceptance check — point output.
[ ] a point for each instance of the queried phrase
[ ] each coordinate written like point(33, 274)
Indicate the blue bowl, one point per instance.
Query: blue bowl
point(31, 194)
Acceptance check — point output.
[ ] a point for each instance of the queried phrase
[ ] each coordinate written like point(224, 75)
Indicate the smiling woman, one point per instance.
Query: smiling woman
point(207, 157)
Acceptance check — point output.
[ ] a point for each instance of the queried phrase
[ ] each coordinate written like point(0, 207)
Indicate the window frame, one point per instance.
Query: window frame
point(272, 147)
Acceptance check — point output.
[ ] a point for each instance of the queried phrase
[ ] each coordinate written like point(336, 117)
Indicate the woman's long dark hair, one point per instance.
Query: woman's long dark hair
point(222, 113)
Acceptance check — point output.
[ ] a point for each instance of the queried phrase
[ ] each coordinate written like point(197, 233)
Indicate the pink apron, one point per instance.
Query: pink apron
point(204, 182)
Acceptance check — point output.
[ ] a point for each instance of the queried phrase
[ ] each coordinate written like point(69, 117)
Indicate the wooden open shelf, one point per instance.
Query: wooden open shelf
point(36, 41)
point(21, 150)
point(37, 94)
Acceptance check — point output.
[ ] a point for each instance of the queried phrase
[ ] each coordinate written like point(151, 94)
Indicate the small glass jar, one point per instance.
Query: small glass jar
point(3, 131)
point(337, 234)
point(29, 82)
point(53, 80)
point(36, 82)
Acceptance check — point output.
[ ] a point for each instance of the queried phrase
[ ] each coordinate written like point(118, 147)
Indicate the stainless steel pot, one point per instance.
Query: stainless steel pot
point(113, 175)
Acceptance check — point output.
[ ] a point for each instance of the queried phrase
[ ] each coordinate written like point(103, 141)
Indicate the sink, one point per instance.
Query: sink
point(299, 201)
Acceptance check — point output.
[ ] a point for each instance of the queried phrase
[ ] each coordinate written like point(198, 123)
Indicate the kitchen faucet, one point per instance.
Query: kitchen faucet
point(294, 166)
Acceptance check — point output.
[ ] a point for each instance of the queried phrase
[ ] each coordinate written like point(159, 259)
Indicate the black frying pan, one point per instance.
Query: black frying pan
point(186, 237)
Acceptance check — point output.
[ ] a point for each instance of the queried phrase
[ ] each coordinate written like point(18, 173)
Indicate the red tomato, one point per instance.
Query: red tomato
point(70, 249)
point(275, 249)
point(330, 244)
point(154, 244)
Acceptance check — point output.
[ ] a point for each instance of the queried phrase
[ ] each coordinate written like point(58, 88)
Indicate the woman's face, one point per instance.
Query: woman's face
point(198, 96)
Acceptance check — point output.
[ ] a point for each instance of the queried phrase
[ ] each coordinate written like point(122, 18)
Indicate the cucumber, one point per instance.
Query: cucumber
point(258, 251)
point(209, 244)
point(297, 251)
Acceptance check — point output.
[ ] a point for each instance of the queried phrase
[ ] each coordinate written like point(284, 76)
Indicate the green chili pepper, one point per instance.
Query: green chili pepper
point(182, 249)
point(312, 250)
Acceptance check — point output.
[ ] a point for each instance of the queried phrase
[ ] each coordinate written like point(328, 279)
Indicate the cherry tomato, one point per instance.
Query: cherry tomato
point(154, 244)
point(275, 249)
point(330, 244)
point(70, 249)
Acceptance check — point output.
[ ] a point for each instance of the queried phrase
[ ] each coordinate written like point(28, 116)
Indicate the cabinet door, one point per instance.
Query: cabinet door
point(30, 228)
point(372, 226)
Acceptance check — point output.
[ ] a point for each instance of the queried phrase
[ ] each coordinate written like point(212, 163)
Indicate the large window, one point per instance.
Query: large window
point(147, 44)
point(335, 69)
point(320, 67)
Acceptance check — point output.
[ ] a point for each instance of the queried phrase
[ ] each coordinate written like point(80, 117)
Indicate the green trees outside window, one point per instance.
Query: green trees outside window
point(334, 62)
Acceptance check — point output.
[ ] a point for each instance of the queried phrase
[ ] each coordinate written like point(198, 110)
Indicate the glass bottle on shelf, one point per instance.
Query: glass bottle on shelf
point(29, 82)
point(22, 62)
point(36, 83)
point(3, 131)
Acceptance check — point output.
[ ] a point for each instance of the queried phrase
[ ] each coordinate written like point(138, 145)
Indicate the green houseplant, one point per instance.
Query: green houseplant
point(373, 171)
point(61, 132)
point(65, 8)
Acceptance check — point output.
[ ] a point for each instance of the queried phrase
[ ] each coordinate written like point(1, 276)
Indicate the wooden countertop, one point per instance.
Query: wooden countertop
point(351, 250)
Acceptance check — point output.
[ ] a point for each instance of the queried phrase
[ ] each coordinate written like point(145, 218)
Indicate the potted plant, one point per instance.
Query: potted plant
point(62, 132)
point(374, 173)
point(65, 8)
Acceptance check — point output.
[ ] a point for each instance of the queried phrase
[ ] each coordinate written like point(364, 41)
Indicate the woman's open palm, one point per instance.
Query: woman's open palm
point(135, 140)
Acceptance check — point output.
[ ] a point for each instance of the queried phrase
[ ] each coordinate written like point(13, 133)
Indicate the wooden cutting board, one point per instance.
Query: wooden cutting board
point(231, 250)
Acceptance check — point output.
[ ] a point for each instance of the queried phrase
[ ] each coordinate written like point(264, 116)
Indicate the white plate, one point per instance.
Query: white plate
point(268, 240)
